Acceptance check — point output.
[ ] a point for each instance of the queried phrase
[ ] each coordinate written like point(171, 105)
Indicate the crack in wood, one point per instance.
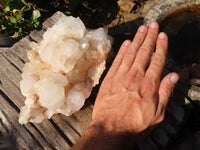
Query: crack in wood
point(50, 145)
point(32, 40)
point(12, 64)
point(34, 138)
point(22, 60)
point(3, 122)
point(71, 126)
point(9, 101)
point(61, 133)
point(7, 70)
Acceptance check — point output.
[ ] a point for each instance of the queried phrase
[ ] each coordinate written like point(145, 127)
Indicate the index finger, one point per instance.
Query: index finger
point(145, 52)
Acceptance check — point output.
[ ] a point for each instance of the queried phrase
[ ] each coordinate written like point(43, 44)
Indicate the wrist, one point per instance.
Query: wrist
point(103, 137)
point(98, 137)
point(111, 137)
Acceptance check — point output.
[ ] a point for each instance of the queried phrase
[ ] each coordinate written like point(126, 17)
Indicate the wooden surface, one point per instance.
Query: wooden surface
point(60, 132)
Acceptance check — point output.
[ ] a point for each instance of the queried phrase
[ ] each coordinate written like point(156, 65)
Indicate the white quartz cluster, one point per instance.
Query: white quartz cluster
point(63, 69)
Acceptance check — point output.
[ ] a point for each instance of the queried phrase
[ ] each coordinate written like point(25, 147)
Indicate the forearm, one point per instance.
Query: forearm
point(97, 138)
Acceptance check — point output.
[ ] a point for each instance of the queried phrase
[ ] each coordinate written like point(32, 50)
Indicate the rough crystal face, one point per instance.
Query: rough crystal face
point(63, 69)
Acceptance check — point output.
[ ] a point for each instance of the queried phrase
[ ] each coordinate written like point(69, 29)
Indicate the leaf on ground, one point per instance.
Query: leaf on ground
point(6, 9)
point(18, 16)
point(36, 14)
point(12, 20)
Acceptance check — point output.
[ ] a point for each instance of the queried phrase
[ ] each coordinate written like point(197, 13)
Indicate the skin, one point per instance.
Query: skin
point(132, 98)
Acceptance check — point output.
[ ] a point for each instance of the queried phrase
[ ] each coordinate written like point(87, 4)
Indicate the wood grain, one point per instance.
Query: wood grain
point(59, 133)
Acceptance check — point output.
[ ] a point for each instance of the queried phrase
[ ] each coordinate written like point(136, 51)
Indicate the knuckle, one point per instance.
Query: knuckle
point(125, 66)
point(167, 90)
point(131, 51)
point(150, 81)
point(116, 63)
point(119, 56)
point(132, 76)
point(139, 39)
point(128, 59)
point(148, 85)
point(158, 59)
point(146, 51)
point(146, 48)
point(137, 71)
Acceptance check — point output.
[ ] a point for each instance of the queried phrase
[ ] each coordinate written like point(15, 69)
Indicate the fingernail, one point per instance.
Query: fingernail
point(153, 25)
point(127, 43)
point(142, 28)
point(174, 78)
point(162, 36)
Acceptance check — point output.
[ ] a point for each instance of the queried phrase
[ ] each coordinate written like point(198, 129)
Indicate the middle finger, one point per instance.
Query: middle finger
point(147, 48)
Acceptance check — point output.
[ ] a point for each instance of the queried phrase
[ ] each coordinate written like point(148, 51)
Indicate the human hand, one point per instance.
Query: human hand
point(131, 98)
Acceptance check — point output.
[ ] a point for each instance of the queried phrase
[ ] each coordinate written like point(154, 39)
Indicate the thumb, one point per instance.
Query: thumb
point(166, 87)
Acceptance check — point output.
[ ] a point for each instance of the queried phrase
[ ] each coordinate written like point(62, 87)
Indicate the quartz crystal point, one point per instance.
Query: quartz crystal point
point(62, 69)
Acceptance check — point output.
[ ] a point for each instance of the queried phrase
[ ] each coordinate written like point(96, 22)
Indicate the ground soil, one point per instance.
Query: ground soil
point(94, 14)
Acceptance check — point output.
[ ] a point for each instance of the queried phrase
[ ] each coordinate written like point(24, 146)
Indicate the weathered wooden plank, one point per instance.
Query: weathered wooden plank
point(3, 49)
point(20, 48)
point(74, 124)
point(11, 90)
point(72, 134)
point(36, 35)
point(12, 58)
point(45, 145)
point(85, 114)
point(83, 117)
point(10, 111)
point(12, 119)
point(12, 62)
point(9, 131)
point(4, 121)
point(3, 129)
point(20, 142)
point(11, 116)
point(10, 78)
point(45, 128)
point(77, 123)
point(52, 135)
point(10, 71)
point(52, 20)
point(18, 100)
